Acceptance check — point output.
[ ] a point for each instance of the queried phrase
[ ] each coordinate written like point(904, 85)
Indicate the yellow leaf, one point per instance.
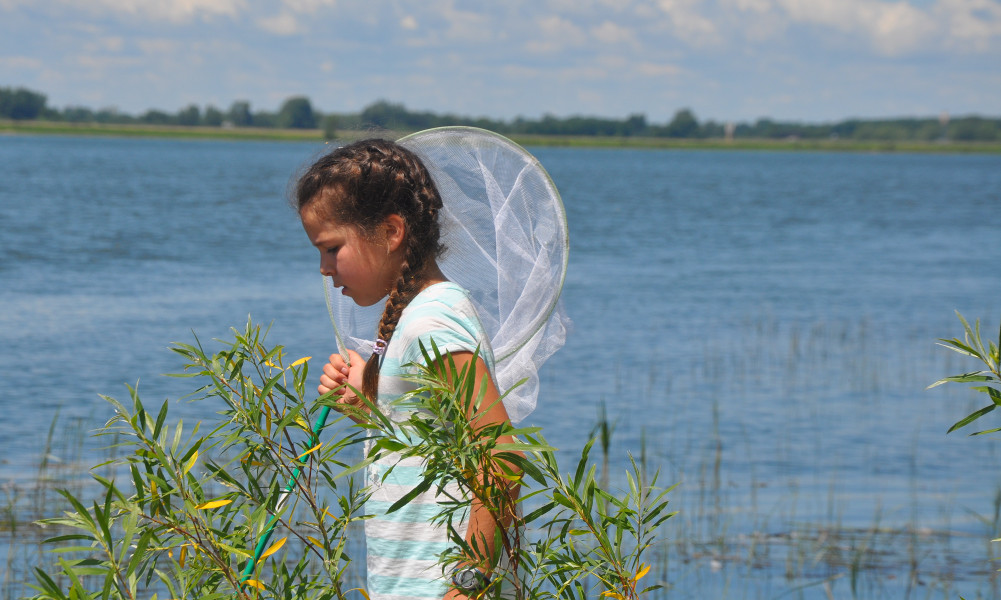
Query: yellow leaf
point(361, 591)
point(184, 554)
point(270, 364)
point(214, 504)
point(191, 462)
point(310, 451)
point(615, 595)
point(275, 548)
point(515, 478)
point(644, 569)
point(314, 540)
point(300, 361)
point(255, 583)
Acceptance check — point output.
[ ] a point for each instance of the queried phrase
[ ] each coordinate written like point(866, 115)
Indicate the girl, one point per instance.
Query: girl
point(371, 209)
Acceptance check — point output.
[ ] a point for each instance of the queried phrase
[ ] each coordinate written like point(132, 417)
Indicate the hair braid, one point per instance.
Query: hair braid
point(361, 185)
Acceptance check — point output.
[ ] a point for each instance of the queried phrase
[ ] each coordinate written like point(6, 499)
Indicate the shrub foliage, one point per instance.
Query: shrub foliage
point(187, 505)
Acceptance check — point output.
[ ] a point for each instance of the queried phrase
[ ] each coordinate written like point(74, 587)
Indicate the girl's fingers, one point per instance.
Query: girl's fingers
point(336, 374)
point(329, 383)
point(338, 363)
point(355, 358)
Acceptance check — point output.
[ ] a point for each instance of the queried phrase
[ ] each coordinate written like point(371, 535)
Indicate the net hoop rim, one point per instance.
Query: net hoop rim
point(513, 146)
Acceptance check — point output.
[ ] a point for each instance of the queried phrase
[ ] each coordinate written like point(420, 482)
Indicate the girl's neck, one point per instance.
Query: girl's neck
point(431, 276)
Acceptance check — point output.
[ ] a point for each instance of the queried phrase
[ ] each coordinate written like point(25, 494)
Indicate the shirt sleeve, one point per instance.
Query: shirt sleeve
point(451, 331)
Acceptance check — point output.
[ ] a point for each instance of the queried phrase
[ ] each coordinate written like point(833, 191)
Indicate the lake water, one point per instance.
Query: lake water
point(760, 326)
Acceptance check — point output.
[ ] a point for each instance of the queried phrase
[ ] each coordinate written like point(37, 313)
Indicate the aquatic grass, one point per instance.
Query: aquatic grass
point(182, 503)
point(737, 535)
point(814, 546)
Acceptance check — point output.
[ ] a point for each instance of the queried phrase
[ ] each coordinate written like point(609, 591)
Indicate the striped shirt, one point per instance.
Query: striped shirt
point(403, 547)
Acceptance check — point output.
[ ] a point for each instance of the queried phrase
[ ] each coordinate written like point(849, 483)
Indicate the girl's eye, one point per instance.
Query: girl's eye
point(333, 250)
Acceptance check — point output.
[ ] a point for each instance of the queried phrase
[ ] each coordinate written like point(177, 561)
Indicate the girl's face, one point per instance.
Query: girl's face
point(366, 268)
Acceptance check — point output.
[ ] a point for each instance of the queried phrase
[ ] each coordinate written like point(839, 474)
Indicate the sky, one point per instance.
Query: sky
point(726, 60)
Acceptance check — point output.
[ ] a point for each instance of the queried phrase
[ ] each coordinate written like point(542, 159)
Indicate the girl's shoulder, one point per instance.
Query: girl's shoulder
point(447, 293)
point(444, 312)
point(440, 298)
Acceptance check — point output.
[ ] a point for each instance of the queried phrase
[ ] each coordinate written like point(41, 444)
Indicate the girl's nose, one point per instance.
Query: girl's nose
point(327, 265)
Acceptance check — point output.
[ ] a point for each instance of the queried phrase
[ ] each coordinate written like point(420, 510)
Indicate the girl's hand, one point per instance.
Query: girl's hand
point(337, 373)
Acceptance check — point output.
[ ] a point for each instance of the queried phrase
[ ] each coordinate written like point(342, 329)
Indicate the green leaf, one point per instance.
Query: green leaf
point(419, 489)
point(972, 417)
point(48, 585)
point(66, 538)
point(995, 430)
point(958, 346)
point(972, 377)
point(140, 552)
point(160, 418)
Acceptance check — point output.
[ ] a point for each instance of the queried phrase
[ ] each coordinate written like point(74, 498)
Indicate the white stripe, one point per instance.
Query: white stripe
point(417, 532)
point(387, 492)
point(417, 569)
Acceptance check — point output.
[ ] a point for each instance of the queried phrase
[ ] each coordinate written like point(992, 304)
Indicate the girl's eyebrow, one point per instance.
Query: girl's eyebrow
point(326, 240)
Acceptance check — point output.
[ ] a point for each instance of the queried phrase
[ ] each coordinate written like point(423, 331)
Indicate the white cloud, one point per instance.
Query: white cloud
point(649, 69)
point(688, 23)
point(972, 25)
point(898, 28)
point(554, 34)
point(757, 6)
point(408, 22)
point(280, 24)
point(464, 25)
point(159, 46)
point(175, 11)
point(103, 63)
point(307, 6)
point(21, 62)
point(612, 33)
point(891, 27)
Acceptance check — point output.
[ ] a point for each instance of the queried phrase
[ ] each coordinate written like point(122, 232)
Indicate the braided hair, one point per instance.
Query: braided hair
point(362, 184)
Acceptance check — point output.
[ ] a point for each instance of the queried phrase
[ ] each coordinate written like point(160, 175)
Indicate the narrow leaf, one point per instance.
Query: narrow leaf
point(310, 451)
point(214, 504)
point(972, 417)
point(274, 548)
point(191, 462)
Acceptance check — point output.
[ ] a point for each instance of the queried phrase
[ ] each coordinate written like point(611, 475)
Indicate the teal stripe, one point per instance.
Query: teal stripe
point(408, 476)
point(397, 549)
point(430, 310)
point(407, 586)
point(410, 513)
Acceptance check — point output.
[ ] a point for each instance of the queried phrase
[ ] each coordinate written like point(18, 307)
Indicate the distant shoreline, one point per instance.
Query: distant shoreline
point(316, 135)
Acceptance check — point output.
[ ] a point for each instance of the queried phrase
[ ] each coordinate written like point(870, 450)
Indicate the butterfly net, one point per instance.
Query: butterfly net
point(505, 235)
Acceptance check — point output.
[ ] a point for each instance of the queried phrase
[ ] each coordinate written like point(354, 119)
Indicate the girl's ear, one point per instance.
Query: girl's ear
point(395, 230)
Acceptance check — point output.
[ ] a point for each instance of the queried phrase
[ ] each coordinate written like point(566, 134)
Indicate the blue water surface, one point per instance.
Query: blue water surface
point(759, 325)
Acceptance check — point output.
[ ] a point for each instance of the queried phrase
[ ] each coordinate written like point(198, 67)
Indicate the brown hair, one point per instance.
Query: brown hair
point(360, 185)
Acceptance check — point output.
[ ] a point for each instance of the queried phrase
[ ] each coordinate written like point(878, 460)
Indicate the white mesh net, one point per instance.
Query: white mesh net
point(505, 233)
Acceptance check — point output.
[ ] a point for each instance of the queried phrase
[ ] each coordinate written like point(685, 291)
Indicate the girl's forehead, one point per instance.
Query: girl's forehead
point(319, 225)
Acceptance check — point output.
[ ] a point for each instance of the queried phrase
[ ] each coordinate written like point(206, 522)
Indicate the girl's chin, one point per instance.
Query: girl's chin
point(363, 302)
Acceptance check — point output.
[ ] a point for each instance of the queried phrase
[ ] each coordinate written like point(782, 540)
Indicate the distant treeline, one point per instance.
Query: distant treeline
point(298, 112)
